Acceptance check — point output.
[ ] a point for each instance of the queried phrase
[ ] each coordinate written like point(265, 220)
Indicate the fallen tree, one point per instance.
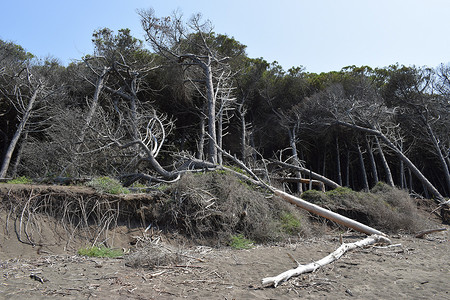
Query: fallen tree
point(328, 214)
point(311, 267)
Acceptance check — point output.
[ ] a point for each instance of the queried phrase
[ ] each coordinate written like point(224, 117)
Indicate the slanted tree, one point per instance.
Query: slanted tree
point(25, 86)
point(366, 113)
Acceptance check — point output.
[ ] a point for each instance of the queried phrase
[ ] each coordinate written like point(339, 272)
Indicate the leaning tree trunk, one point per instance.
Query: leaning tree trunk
point(363, 168)
point(95, 100)
point(387, 169)
point(443, 163)
point(373, 165)
point(19, 154)
point(18, 133)
point(402, 156)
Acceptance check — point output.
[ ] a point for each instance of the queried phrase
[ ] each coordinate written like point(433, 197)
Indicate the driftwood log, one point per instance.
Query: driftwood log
point(311, 267)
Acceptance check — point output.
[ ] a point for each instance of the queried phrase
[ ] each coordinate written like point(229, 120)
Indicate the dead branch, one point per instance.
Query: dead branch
point(425, 232)
point(311, 267)
point(319, 183)
point(313, 175)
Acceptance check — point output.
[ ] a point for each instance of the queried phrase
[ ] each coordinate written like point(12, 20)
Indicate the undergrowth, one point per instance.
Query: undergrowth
point(20, 180)
point(100, 251)
point(108, 185)
point(384, 207)
point(239, 242)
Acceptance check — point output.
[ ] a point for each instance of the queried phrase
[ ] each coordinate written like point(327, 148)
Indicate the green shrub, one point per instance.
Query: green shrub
point(20, 180)
point(100, 251)
point(340, 192)
point(315, 196)
point(108, 185)
point(290, 223)
point(240, 242)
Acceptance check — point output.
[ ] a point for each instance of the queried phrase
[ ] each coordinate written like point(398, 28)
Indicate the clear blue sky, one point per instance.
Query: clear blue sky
point(321, 35)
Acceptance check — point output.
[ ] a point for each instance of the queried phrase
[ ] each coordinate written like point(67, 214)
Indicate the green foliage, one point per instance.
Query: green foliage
point(314, 196)
point(240, 242)
point(100, 251)
point(290, 223)
point(108, 185)
point(21, 180)
point(236, 169)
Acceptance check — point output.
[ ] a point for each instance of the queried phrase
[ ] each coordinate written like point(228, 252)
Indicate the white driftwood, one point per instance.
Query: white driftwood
point(311, 267)
point(328, 214)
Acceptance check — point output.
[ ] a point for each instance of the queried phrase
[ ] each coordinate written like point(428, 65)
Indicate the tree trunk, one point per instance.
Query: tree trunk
point(292, 139)
point(242, 112)
point(19, 154)
point(313, 175)
point(220, 136)
point(18, 133)
point(402, 175)
point(385, 164)
point(444, 166)
point(373, 164)
point(403, 157)
point(95, 100)
point(363, 168)
point(347, 166)
point(338, 162)
point(201, 140)
point(212, 153)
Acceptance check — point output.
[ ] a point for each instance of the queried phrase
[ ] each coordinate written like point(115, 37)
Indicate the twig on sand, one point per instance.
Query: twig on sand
point(425, 232)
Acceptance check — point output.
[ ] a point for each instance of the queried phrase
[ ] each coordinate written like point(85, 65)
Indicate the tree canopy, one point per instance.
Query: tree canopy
point(147, 107)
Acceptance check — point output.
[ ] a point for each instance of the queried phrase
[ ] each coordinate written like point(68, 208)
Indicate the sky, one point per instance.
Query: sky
point(320, 35)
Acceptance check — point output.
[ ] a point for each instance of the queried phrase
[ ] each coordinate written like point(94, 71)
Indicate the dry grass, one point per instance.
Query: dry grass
point(212, 207)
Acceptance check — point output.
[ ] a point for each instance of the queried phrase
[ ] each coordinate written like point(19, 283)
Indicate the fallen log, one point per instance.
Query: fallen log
point(311, 267)
point(328, 214)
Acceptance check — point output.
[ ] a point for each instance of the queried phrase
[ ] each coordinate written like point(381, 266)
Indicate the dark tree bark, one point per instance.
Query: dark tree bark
point(373, 164)
point(347, 166)
point(402, 156)
point(362, 168)
point(338, 162)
